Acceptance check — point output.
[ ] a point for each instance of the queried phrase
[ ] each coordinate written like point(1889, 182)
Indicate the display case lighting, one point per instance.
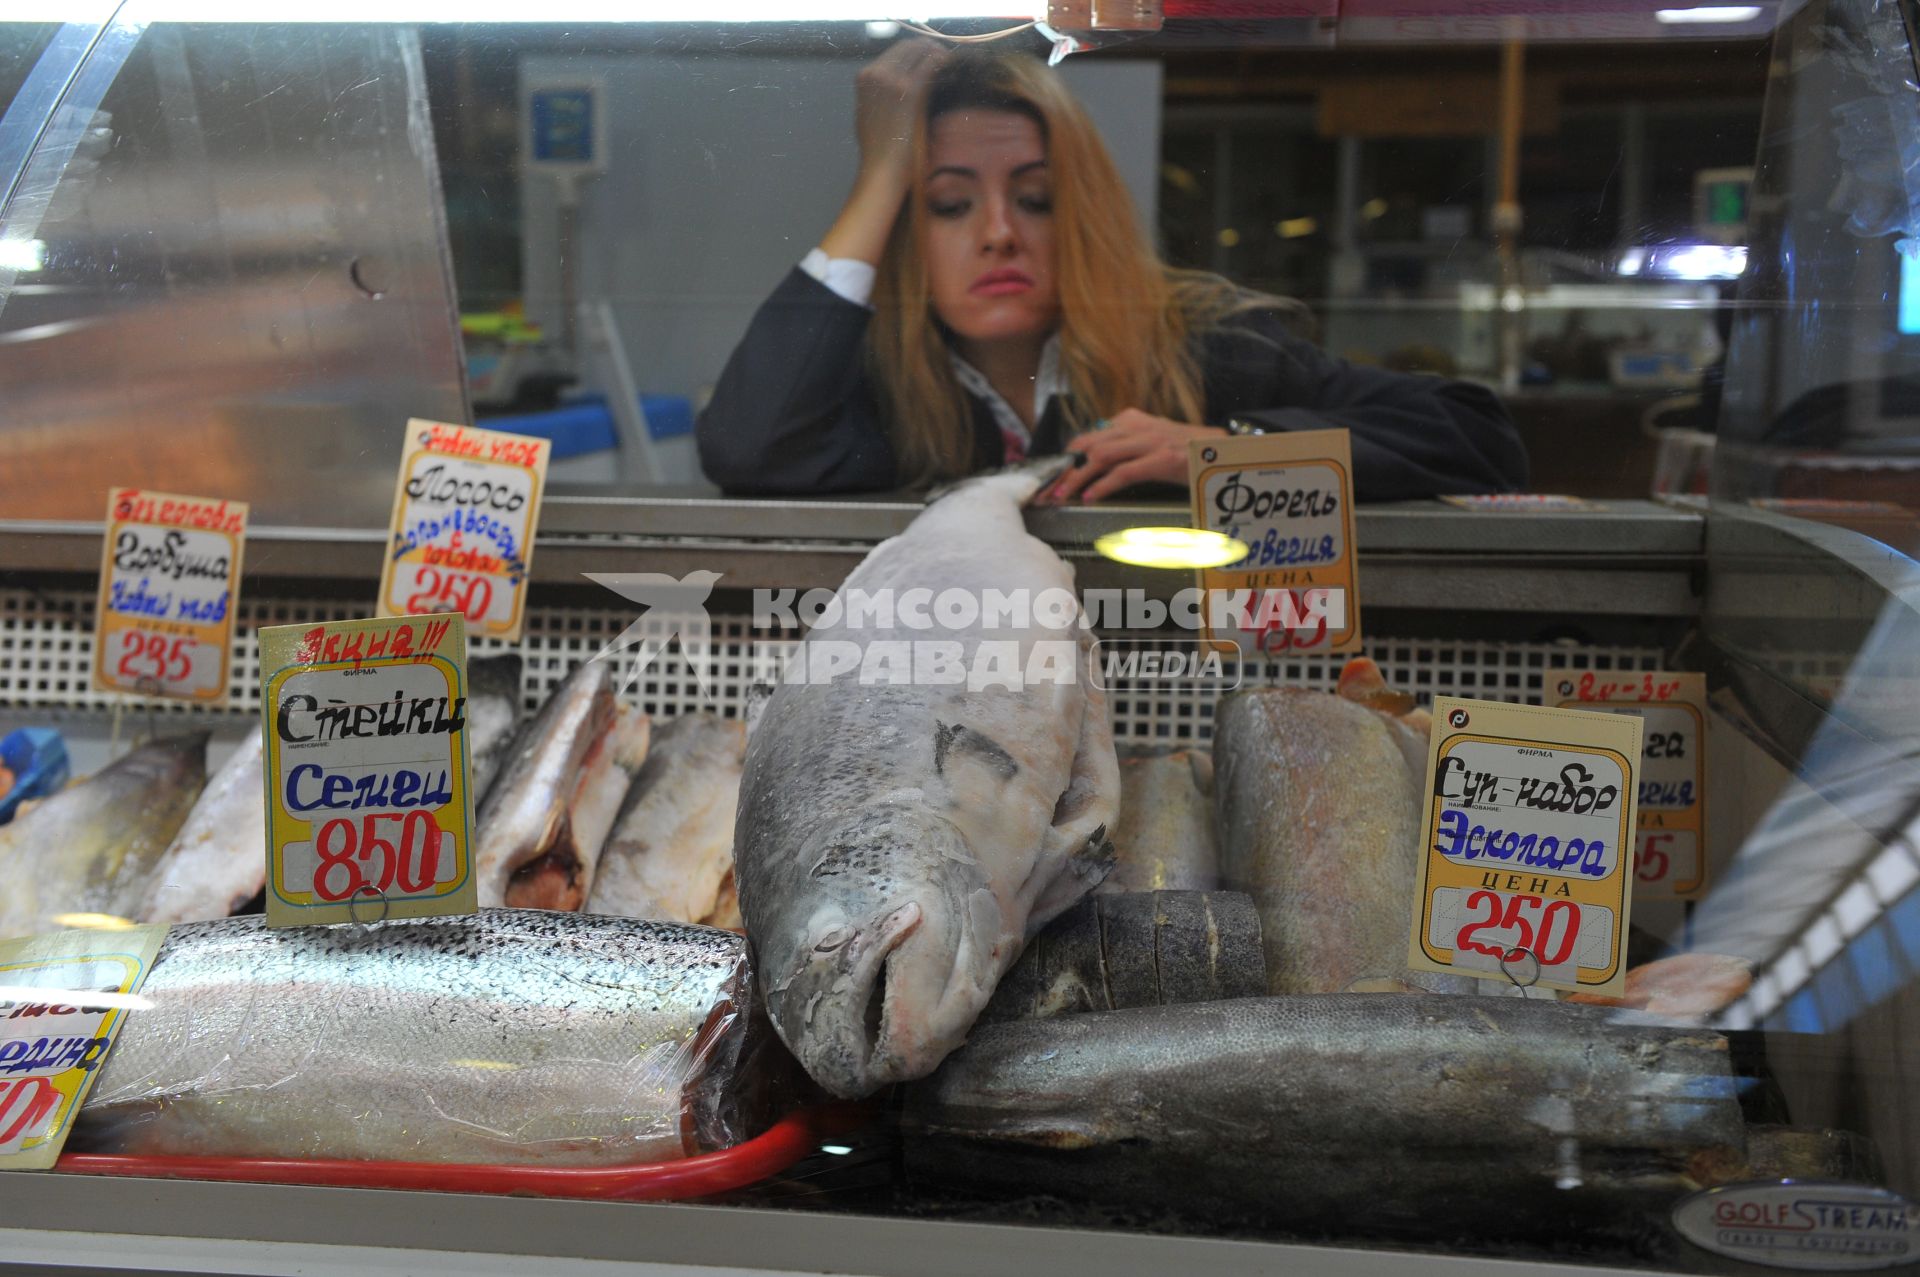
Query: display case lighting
point(1710, 13)
point(517, 11)
point(1171, 548)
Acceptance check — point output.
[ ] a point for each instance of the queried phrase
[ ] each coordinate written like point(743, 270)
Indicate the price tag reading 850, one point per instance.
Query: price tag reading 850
point(366, 771)
point(1289, 499)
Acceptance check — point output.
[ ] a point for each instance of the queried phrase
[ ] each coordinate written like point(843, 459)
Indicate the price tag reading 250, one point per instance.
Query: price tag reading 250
point(1526, 874)
point(168, 578)
point(368, 803)
point(464, 514)
point(1289, 498)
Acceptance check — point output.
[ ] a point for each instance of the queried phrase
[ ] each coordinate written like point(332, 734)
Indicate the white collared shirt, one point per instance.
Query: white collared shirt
point(853, 280)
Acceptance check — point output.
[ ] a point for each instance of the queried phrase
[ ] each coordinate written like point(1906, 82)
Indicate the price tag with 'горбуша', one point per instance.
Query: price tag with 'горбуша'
point(169, 574)
point(1525, 871)
point(368, 799)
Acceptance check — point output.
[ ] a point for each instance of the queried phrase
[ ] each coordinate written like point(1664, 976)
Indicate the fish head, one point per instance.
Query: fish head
point(880, 968)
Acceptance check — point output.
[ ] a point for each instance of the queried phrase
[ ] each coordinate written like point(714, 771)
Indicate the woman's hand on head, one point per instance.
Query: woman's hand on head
point(888, 95)
point(1135, 447)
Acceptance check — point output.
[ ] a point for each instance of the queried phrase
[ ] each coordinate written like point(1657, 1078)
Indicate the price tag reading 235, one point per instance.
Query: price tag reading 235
point(1289, 497)
point(168, 577)
point(1526, 869)
point(368, 802)
point(464, 514)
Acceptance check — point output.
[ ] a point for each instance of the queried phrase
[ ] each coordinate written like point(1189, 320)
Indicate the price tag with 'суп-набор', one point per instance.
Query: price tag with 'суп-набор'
point(1525, 871)
point(169, 577)
point(368, 798)
point(63, 997)
point(464, 514)
point(1670, 858)
point(1289, 498)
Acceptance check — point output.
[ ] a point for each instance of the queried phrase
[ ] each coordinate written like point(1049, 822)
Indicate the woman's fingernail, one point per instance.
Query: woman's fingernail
point(1079, 459)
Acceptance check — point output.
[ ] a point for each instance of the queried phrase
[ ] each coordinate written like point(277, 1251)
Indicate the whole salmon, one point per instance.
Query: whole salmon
point(546, 819)
point(217, 863)
point(1319, 806)
point(502, 1036)
point(1449, 1117)
point(91, 848)
point(672, 844)
point(898, 841)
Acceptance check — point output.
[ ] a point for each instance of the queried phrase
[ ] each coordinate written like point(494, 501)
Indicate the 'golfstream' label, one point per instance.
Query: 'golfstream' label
point(369, 809)
point(1289, 498)
point(1529, 829)
point(464, 514)
point(63, 997)
point(169, 578)
point(1669, 855)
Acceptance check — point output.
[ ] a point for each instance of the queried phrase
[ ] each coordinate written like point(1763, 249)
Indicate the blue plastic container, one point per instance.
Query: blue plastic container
point(37, 757)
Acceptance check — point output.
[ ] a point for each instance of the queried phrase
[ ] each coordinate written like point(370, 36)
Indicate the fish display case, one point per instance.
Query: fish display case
point(236, 278)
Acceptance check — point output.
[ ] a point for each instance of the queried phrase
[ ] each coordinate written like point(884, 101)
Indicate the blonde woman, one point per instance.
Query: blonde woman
point(987, 294)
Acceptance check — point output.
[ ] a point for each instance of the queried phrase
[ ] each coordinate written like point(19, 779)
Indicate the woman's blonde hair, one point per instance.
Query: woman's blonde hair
point(1125, 316)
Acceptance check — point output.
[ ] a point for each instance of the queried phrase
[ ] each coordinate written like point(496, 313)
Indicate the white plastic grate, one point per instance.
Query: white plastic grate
point(46, 647)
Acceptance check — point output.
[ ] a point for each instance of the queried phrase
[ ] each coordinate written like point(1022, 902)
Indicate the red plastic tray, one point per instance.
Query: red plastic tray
point(786, 1142)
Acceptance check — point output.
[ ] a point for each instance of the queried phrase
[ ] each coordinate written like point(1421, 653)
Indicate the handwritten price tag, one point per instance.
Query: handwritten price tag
point(1525, 875)
point(1289, 497)
point(464, 513)
point(369, 805)
point(1670, 859)
point(169, 575)
point(63, 997)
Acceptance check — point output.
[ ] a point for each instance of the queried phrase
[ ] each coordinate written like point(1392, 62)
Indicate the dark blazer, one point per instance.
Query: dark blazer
point(794, 412)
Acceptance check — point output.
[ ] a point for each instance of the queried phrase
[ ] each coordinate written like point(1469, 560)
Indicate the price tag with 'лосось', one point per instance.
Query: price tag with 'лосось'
point(1529, 822)
point(1670, 856)
point(1289, 498)
point(368, 799)
point(464, 514)
point(169, 578)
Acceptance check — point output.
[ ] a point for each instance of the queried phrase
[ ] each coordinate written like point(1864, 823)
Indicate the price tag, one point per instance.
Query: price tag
point(169, 576)
point(369, 805)
point(1290, 498)
point(63, 997)
point(1525, 875)
point(1669, 860)
point(464, 513)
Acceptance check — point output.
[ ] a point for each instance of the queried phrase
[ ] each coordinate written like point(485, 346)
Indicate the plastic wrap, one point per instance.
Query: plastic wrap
point(507, 1037)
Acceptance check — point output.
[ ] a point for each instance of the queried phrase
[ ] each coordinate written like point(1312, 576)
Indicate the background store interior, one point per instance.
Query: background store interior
point(1360, 178)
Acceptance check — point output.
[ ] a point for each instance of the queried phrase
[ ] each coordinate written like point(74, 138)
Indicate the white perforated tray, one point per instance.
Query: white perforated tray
point(46, 646)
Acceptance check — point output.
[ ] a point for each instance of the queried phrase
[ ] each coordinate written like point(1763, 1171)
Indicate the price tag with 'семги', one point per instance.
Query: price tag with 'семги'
point(1289, 498)
point(63, 997)
point(169, 577)
point(369, 804)
point(465, 510)
point(1524, 871)
point(1670, 857)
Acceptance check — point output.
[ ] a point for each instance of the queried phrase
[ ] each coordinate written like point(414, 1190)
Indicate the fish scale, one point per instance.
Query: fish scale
point(518, 1036)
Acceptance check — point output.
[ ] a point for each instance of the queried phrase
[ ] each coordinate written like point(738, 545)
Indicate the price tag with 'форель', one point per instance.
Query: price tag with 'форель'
point(1670, 852)
point(1289, 498)
point(369, 808)
point(465, 510)
point(1525, 871)
point(169, 578)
